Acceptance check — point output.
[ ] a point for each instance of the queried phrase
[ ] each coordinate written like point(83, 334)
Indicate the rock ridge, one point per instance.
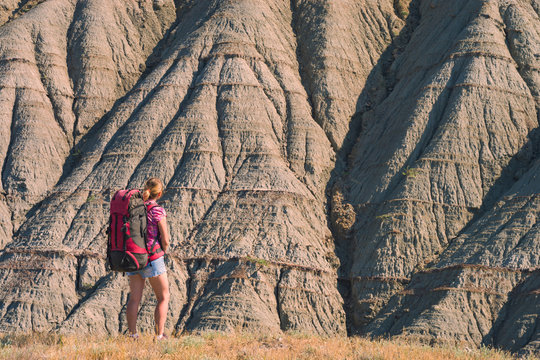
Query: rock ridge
point(331, 167)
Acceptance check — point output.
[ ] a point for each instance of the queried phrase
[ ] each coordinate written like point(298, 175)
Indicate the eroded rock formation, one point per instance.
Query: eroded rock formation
point(331, 167)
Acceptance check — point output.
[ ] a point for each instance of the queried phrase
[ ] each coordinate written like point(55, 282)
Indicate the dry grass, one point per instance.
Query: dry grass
point(227, 346)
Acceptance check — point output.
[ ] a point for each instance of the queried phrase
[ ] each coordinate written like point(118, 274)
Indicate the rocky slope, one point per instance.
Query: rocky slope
point(331, 167)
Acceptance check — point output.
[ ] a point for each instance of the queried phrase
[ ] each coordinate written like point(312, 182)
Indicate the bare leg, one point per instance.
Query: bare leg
point(136, 287)
point(160, 284)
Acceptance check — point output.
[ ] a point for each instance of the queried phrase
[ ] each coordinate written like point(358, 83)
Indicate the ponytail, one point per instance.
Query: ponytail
point(152, 188)
point(146, 194)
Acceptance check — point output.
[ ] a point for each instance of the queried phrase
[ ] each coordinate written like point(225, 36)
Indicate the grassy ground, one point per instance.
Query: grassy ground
point(227, 346)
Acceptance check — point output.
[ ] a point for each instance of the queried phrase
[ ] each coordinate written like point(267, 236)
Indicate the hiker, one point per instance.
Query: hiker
point(155, 271)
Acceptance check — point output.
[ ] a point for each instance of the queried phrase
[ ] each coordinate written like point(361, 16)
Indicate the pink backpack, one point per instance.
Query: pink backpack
point(126, 245)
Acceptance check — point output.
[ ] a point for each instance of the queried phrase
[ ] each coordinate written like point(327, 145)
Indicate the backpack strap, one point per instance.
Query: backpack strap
point(149, 207)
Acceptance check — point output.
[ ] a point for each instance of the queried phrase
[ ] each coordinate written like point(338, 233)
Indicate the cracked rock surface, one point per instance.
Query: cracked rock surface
point(331, 167)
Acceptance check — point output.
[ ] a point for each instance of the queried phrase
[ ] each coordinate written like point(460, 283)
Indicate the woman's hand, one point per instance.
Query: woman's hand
point(164, 234)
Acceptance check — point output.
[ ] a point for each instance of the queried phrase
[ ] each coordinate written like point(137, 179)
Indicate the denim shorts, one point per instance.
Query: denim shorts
point(153, 269)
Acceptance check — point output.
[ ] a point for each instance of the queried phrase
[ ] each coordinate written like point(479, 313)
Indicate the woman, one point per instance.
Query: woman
point(155, 271)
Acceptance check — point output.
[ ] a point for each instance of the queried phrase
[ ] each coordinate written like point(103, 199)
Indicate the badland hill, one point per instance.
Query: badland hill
point(332, 167)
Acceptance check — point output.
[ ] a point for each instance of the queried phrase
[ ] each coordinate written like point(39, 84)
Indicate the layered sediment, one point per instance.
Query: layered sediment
point(330, 167)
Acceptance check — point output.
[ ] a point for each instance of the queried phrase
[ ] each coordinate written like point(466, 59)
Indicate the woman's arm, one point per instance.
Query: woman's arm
point(164, 233)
